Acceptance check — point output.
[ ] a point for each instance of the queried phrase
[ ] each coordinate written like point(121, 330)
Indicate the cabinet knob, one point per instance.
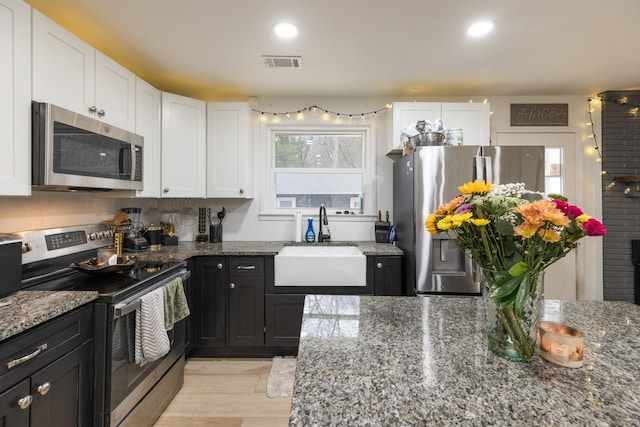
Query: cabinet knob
point(242, 191)
point(165, 190)
point(44, 388)
point(220, 266)
point(232, 285)
point(93, 109)
point(25, 402)
point(379, 265)
point(101, 113)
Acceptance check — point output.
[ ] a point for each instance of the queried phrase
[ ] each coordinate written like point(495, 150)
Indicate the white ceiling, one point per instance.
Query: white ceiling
point(211, 49)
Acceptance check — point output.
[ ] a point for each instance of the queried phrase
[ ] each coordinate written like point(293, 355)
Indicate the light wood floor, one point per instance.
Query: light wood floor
point(226, 393)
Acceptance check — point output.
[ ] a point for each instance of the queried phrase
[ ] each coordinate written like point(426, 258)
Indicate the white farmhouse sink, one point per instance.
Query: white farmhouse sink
point(320, 266)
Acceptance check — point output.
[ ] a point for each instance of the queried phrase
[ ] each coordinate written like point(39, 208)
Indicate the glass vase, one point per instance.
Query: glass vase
point(510, 334)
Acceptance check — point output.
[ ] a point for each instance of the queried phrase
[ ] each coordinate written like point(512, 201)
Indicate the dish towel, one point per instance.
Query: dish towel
point(176, 307)
point(152, 341)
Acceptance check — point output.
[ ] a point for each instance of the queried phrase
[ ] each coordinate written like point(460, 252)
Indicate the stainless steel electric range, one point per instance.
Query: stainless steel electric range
point(125, 392)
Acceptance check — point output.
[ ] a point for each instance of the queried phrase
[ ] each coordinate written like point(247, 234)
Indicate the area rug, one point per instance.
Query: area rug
point(280, 380)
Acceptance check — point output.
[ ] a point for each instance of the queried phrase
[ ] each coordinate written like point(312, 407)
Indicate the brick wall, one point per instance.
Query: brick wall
point(621, 214)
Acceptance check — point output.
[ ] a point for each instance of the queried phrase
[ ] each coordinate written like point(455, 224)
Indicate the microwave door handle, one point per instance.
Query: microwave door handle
point(125, 160)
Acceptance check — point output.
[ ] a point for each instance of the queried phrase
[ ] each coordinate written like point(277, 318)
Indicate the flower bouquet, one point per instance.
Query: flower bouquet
point(513, 235)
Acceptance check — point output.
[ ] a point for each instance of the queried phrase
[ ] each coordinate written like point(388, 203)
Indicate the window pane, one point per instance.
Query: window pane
point(554, 179)
point(335, 190)
point(319, 151)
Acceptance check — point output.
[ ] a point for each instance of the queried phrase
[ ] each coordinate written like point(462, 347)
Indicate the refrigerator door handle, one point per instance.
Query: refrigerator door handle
point(483, 168)
point(488, 169)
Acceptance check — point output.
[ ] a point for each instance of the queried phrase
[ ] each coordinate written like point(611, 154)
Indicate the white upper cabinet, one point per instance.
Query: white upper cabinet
point(71, 74)
point(228, 154)
point(184, 150)
point(148, 107)
point(472, 118)
point(15, 102)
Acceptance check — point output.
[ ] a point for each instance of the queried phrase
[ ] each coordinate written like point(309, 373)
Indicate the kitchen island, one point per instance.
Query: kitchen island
point(407, 361)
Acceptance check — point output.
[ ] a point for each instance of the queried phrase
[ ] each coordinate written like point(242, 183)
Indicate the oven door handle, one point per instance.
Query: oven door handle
point(125, 308)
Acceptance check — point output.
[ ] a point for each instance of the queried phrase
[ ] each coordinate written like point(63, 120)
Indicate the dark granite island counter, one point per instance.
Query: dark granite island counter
point(423, 361)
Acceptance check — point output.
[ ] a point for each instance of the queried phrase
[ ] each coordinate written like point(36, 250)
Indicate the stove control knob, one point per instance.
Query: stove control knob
point(44, 388)
point(93, 236)
point(26, 247)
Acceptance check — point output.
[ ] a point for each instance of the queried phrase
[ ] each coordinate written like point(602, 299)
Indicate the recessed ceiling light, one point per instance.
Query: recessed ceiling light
point(285, 30)
point(480, 29)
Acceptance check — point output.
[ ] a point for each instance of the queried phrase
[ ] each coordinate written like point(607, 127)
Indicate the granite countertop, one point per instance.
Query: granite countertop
point(417, 361)
point(185, 250)
point(27, 309)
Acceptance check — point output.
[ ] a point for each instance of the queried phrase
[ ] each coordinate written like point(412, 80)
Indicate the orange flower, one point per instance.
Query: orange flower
point(549, 235)
point(526, 230)
point(450, 206)
point(542, 210)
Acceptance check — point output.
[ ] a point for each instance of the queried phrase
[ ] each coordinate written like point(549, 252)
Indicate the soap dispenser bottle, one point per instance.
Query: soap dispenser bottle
point(310, 235)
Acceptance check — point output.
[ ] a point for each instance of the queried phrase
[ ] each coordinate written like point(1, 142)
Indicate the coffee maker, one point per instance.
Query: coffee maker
point(133, 239)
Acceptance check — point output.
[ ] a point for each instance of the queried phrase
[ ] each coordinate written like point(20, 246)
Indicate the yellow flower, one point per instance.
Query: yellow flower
point(445, 223)
point(476, 187)
point(582, 219)
point(459, 219)
point(479, 222)
point(430, 224)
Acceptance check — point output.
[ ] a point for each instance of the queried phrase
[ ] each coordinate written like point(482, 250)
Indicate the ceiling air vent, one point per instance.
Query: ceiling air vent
point(282, 61)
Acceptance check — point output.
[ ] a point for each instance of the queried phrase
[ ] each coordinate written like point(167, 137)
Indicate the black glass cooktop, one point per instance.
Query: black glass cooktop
point(111, 286)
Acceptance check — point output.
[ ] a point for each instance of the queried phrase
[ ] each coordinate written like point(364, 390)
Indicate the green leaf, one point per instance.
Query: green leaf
point(504, 227)
point(519, 269)
point(531, 197)
point(504, 288)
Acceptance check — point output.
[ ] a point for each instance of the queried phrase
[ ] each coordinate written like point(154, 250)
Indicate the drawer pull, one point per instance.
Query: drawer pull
point(246, 267)
point(25, 402)
point(44, 388)
point(220, 266)
point(28, 357)
point(232, 285)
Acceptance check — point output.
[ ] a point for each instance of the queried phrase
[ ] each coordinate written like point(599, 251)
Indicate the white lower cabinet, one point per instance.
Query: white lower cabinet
point(15, 102)
point(184, 150)
point(228, 155)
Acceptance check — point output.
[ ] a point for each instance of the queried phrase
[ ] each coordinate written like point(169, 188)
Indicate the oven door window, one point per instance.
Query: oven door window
point(78, 152)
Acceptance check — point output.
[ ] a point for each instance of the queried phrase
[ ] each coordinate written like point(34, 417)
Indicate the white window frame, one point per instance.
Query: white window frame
point(267, 163)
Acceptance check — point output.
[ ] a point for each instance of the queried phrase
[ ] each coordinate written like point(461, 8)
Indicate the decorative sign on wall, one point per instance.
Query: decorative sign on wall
point(539, 114)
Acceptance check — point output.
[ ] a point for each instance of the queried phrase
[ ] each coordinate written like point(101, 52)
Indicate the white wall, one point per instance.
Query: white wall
point(244, 222)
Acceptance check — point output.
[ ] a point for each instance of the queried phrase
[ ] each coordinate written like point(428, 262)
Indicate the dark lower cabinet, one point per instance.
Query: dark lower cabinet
point(387, 275)
point(208, 280)
point(46, 377)
point(283, 319)
point(228, 303)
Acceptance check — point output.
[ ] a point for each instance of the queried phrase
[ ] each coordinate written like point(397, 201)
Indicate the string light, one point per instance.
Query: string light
point(593, 133)
point(326, 112)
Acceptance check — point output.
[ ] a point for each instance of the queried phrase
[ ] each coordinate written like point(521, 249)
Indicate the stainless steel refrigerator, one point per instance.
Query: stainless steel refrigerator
point(428, 177)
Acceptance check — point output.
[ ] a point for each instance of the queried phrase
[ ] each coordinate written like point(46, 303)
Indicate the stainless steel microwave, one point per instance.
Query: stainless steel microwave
point(74, 152)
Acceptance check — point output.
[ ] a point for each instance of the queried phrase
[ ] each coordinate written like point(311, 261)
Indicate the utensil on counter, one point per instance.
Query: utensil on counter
point(222, 214)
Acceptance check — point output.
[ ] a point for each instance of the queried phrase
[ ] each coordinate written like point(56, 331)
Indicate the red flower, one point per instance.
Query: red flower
point(593, 227)
point(569, 210)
